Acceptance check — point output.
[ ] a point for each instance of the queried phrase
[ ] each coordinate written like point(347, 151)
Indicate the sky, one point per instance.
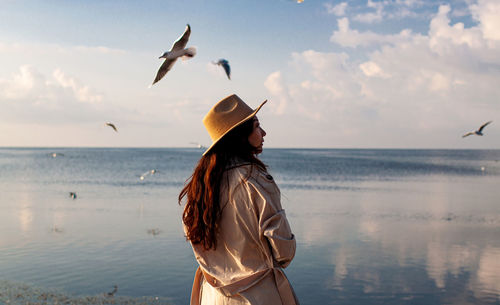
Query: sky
point(336, 74)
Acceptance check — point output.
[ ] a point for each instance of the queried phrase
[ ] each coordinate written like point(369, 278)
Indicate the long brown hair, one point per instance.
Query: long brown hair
point(203, 207)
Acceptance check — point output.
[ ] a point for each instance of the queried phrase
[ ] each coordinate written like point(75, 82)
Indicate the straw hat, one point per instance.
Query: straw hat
point(226, 115)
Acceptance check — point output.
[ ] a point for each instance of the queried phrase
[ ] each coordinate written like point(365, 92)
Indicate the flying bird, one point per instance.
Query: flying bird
point(178, 50)
point(478, 132)
point(112, 126)
point(225, 64)
point(150, 172)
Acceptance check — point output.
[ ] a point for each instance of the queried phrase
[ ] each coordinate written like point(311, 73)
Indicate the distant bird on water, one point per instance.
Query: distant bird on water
point(178, 50)
point(154, 232)
point(72, 195)
point(478, 132)
point(112, 293)
point(56, 229)
point(112, 126)
point(225, 64)
point(198, 145)
point(55, 155)
point(150, 172)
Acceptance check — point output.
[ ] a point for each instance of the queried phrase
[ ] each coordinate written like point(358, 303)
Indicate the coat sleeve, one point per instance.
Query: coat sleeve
point(273, 224)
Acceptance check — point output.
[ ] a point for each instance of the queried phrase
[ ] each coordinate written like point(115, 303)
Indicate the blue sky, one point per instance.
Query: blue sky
point(362, 74)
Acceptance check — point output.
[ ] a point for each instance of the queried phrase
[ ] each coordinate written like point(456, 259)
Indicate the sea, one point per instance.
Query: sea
point(373, 226)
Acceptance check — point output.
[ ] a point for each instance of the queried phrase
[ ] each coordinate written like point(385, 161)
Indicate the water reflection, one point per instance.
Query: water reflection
point(58, 220)
point(25, 218)
point(444, 260)
point(432, 245)
point(373, 227)
point(25, 213)
point(340, 263)
point(488, 273)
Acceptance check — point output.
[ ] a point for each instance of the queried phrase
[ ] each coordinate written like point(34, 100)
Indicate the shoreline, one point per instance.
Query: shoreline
point(19, 293)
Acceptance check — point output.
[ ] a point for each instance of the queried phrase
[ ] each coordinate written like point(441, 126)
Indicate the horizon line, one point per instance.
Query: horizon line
point(273, 148)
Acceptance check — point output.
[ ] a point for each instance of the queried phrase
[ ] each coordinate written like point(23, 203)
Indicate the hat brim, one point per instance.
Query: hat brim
point(235, 125)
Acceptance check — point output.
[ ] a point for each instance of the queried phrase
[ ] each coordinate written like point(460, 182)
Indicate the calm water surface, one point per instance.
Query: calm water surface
point(373, 226)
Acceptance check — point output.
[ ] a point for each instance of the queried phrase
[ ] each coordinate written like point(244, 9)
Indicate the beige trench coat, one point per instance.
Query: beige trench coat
point(254, 243)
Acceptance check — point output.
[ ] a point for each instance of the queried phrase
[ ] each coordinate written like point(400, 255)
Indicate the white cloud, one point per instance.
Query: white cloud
point(275, 86)
point(369, 17)
point(409, 3)
point(323, 68)
point(317, 97)
point(455, 35)
point(408, 80)
point(31, 48)
point(98, 49)
point(378, 11)
point(347, 37)
point(27, 80)
point(337, 10)
point(80, 88)
point(371, 69)
point(318, 61)
point(487, 12)
point(31, 95)
point(372, 17)
point(81, 92)
point(439, 82)
point(11, 47)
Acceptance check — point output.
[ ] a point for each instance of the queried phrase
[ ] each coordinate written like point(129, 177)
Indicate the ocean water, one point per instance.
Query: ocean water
point(372, 226)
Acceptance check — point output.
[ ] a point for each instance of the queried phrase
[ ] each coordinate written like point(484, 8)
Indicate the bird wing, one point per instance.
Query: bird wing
point(164, 68)
point(112, 126)
point(227, 68)
point(467, 134)
point(484, 125)
point(182, 41)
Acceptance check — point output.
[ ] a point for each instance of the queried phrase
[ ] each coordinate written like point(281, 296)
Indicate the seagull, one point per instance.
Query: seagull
point(72, 195)
point(112, 126)
point(150, 172)
point(55, 155)
point(225, 64)
point(178, 50)
point(55, 229)
point(478, 132)
point(112, 293)
point(198, 145)
point(154, 232)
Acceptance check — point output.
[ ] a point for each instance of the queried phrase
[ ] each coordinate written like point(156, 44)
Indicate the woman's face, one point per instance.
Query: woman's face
point(256, 138)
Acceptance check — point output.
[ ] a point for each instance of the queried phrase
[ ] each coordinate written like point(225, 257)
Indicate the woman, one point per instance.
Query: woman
point(233, 216)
